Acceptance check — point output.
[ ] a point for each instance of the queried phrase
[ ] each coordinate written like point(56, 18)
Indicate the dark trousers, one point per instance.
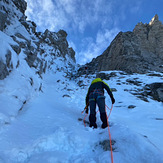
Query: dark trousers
point(99, 99)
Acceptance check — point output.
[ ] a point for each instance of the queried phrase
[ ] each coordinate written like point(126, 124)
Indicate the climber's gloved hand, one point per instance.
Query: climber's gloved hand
point(113, 100)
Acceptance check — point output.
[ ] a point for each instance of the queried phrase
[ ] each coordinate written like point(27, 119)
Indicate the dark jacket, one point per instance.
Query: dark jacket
point(98, 84)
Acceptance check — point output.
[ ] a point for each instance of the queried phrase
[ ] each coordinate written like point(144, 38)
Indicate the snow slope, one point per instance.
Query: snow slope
point(39, 114)
point(47, 129)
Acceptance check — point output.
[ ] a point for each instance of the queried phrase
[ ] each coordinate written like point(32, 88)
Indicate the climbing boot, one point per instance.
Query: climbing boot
point(92, 120)
point(93, 125)
point(104, 125)
point(104, 120)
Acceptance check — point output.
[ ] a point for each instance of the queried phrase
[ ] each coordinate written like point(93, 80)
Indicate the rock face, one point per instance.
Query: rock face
point(139, 51)
point(155, 90)
point(25, 40)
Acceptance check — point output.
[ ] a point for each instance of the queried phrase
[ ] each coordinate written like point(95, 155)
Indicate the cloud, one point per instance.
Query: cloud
point(68, 14)
point(91, 25)
point(78, 15)
point(96, 48)
point(47, 14)
point(136, 8)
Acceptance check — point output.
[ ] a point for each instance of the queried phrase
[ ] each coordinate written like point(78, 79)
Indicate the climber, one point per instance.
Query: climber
point(95, 96)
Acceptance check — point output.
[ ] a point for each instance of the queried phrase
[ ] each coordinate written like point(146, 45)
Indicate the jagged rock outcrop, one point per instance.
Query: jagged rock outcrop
point(3, 70)
point(21, 5)
point(58, 41)
point(3, 18)
point(155, 90)
point(35, 45)
point(139, 51)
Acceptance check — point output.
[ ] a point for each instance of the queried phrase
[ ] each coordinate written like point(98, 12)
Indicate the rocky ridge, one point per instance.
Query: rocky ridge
point(26, 57)
point(35, 45)
point(139, 51)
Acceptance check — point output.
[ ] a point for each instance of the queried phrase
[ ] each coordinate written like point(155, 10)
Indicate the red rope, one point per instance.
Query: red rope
point(109, 131)
point(84, 120)
point(111, 149)
point(109, 109)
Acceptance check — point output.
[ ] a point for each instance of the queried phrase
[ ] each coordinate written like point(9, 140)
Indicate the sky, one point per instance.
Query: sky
point(91, 25)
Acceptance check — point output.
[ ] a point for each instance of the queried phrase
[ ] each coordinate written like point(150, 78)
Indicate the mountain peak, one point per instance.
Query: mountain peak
point(154, 19)
point(133, 52)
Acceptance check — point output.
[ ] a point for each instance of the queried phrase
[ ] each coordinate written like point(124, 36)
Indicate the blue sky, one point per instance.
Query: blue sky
point(91, 24)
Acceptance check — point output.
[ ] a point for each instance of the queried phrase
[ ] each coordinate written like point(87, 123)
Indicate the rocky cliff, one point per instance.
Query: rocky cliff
point(139, 51)
point(38, 49)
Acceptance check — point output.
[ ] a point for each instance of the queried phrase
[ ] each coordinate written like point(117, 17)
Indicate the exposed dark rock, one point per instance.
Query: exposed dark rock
point(155, 90)
point(16, 48)
point(81, 83)
point(142, 97)
point(71, 53)
point(58, 40)
point(32, 43)
point(160, 119)
point(3, 70)
point(139, 51)
point(113, 89)
point(131, 106)
point(29, 25)
point(8, 59)
point(103, 76)
point(134, 81)
point(154, 74)
point(6, 66)
point(31, 58)
point(19, 35)
point(66, 95)
point(21, 5)
point(105, 144)
point(3, 19)
point(24, 102)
